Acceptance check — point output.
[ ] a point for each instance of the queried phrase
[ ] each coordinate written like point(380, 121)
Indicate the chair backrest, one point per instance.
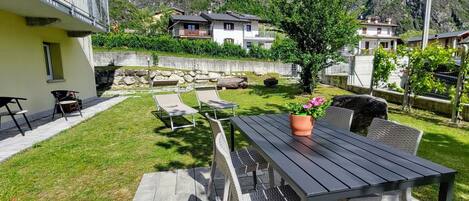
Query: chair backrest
point(205, 94)
point(4, 101)
point(339, 117)
point(396, 135)
point(232, 190)
point(167, 99)
point(217, 129)
point(64, 94)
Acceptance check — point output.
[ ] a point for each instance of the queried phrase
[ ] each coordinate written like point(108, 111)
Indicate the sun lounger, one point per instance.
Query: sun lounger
point(208, 96)
point(173, 106)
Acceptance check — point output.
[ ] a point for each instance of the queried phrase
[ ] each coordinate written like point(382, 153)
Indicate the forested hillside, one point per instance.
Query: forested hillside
point(447, 15)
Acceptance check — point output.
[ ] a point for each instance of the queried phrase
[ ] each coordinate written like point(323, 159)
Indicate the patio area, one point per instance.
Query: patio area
point(116, 154)
point(12, 142)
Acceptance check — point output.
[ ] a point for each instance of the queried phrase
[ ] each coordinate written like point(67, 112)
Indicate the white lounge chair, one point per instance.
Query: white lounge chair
point(244, 160)
point(172, 105)
point(398, 136)
point(339, 117)
point(232, 190)
point(208, 96)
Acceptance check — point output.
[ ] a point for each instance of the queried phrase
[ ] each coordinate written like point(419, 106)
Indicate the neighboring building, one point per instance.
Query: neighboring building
point(448, 40)
point(375, 33)
point(172, 11)
point(230, 27)
point(45, 46)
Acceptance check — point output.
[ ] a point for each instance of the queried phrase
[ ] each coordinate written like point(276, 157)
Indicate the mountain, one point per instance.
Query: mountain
point(447, 15)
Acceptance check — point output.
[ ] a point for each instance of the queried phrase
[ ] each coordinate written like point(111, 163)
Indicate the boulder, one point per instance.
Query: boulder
point(192, 73)
point(166, 73)
point(143, 80)
point(159, 77)
point(365, 108)
point(232, 83)
point(201, 77)
point(198, 72)
point(213, 75)
point(204, 72)
point(188, 78)
point(117, 80)
point(129, 72)
point(177, 77)
point(129, 80)
point(258, 73)
point(154, 74)
point(141, 73)
point(180, 74)
point(119, 72)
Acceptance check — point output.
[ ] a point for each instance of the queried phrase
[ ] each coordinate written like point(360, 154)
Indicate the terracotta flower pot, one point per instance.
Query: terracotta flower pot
point(301, 125)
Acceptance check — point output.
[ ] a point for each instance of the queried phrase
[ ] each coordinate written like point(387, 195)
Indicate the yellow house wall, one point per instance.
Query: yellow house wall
point(23, 68)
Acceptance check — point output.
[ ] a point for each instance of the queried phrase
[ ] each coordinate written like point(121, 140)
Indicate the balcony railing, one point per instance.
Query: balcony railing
point(194, 33)
point(95, 12)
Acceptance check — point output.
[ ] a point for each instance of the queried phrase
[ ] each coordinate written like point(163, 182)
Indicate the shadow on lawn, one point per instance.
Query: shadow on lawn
point(284, 90)
point(197, 142)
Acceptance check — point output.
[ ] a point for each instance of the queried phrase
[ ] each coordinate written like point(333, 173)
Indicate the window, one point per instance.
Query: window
point(53, 61)
point(229, 40)
point(248, 27)
point(191, 27)
point(392, 44)
point(389, 31)
point(379, 30)
point(364, 29)
point(384, 44)
point(229, 26)
point(367, 45)
point(248, 45)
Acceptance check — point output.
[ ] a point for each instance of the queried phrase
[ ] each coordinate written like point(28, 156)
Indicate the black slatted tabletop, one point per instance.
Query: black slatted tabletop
point(334, 164)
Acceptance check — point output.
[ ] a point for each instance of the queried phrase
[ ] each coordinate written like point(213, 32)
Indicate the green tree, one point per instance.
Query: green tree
point(421, 70)
point(384, 62)
point(414, 33)
point(319, 28)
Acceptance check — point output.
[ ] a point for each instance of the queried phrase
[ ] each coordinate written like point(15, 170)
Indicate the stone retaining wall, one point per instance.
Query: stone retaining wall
point(422, 102)
point(131, 58)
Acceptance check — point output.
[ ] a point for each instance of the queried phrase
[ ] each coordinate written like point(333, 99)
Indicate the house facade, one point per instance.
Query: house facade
point(448, 39)
point(230, 27)
point(375, 33)
point(45, 46)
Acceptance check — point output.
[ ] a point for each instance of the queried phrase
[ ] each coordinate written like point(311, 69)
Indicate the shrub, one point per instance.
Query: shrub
point(257, 51)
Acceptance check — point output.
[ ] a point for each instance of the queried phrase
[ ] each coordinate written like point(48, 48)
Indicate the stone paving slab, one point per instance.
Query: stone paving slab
point(191, 185)
point(12, 142)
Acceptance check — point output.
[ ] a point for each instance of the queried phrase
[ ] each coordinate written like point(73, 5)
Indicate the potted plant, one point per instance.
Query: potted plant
point(302, 116)
point(270, 82)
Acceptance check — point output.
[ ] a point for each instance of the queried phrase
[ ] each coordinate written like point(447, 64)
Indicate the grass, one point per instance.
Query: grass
point(174, 54)
point(105, 157)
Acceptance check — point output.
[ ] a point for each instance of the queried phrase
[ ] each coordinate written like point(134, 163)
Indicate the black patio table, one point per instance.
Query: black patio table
point(334, 164)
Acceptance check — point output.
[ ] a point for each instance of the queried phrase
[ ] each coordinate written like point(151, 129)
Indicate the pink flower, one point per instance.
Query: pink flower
point(307, 106)
point(317, 101)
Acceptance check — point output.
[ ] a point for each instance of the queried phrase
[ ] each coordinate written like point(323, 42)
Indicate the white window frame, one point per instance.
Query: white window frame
point(48, 62)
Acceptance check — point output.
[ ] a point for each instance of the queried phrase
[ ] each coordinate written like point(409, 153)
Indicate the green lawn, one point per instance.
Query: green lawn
point(105, 157)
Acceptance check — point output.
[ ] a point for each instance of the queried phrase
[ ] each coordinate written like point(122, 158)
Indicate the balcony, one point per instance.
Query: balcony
point(78, 17)
point(189, 33)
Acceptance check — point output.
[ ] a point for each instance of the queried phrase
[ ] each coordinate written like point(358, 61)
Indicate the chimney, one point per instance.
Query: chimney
point(389, 20)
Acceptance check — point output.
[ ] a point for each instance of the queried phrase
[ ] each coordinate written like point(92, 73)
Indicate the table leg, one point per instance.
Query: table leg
point(446, 190)
point(271, 177)
point(232, 137)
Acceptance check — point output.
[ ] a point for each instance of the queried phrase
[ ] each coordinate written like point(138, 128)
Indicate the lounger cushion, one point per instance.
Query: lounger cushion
point(219, 104)
point(178, 110)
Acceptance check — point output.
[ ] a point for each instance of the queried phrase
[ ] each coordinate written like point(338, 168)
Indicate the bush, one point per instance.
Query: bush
point(166, 43)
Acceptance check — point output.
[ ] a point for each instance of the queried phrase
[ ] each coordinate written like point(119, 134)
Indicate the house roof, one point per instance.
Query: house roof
point(378, 24)
point(222, 17)
point(440, 35)
point(244, 16)
point(190, 18)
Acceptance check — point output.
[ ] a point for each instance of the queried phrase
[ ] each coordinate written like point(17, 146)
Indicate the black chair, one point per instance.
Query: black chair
point(66, 97)
point(4, 101)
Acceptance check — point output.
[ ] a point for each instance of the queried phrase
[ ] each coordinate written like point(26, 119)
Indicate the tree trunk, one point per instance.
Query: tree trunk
point(306, 78)
point(460, 85)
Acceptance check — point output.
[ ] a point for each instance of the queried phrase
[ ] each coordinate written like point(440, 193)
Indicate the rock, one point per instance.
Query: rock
point(159, 77)
point(204, 72)
point(198, 72)
point(129, 80)
point(166, 73)
point(117, 80)
point(201, 81)
point(271, 82)
point(201, 77)
point(213, 79)
point(188, 78)
point(180, 74)
point(141, 73)
point(192, 73)
point(119, 72)
point(143, 80)
point(177, 77)
point(365, 108)
point(213, 75)
point(232, 83)
point(258, 73)
point(154, 74)
point(129, 72)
